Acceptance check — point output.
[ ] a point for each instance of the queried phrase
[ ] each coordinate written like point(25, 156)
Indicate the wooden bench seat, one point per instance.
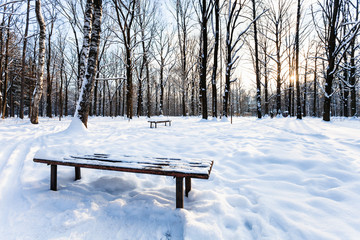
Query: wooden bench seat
point(178, 168)
point(155, 122)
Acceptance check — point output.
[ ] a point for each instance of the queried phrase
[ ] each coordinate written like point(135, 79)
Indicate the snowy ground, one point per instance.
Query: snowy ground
point(272, 179)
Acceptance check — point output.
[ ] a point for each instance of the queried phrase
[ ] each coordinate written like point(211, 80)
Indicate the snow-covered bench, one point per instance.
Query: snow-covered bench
point(178, 168)
point(159, 121)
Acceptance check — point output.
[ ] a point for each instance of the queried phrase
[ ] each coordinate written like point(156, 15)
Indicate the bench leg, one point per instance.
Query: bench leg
point(53, 177)
point(179, 192)
point(77, 173)
point(155, 125)
point(187, 186)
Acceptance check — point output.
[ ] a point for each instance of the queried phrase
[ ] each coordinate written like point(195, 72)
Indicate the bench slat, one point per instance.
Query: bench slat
point(160, 166)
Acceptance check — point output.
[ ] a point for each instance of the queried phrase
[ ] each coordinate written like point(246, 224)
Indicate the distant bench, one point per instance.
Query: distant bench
point(175, 167)
point(159, 121)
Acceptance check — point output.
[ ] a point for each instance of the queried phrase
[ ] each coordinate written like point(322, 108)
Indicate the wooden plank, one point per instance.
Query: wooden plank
point(125, 169)
point(179, 192)
point(160, 166)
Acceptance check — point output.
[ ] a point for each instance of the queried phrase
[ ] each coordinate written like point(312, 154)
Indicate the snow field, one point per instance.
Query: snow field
point(271, 179)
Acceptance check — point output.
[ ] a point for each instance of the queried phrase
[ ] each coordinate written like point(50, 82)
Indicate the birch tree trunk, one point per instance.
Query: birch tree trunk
point(86, 40)
point(87, 89)
point(34, 114)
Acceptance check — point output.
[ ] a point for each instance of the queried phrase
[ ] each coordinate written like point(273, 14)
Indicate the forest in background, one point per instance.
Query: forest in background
point(180, 58)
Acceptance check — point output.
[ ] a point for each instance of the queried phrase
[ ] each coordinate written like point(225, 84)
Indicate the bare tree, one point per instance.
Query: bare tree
point(329, 36)
point(233, 38)
point(353, 65)
point(163, 56)
point(277, 17)
point(23, 61)
point(205, 13)
point(34, 115)
point(183, 22)
point(125, 14)
point(146, 22)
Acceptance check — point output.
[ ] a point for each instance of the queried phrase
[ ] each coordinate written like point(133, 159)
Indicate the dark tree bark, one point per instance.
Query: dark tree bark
point(2, 27)
point(297, 50)
point(352, 79)
point(257, 67)
point(6, 69)
point(266, 80)
point(22, 94)
point(48, 75)
point(61, 101)
point(216, 55)
point(331, 59)
point(205, 14)
point(305, 86)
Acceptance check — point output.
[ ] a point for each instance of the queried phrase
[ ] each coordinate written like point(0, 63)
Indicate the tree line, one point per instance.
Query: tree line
point(179, 57)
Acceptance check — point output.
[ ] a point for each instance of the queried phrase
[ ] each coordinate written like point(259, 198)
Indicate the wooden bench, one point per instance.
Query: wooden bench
point(159, 121)
point(175, 167)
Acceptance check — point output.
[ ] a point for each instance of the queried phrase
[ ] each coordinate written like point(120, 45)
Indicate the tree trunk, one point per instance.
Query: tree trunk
point(278, 73)
point(305, 87)
point(23, 62)
point(61, 102)
point(352, 79)
point(162, 86)
point(216, 54)
point(34, 115)
point(87, 88)
point(2, 27)
point(204, 56)
point(297, 50)
point(87, 28)
point(48, 76)
point(331, 62)
point(257, 68)
point(315, 86)
point(266, 84)
point(6, 69)
point(148, 91)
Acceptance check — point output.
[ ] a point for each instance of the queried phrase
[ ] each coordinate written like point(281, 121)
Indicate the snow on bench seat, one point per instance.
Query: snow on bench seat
point(176, 167)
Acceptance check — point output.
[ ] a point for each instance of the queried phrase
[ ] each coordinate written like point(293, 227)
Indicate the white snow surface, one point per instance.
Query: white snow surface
point(272, 179)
